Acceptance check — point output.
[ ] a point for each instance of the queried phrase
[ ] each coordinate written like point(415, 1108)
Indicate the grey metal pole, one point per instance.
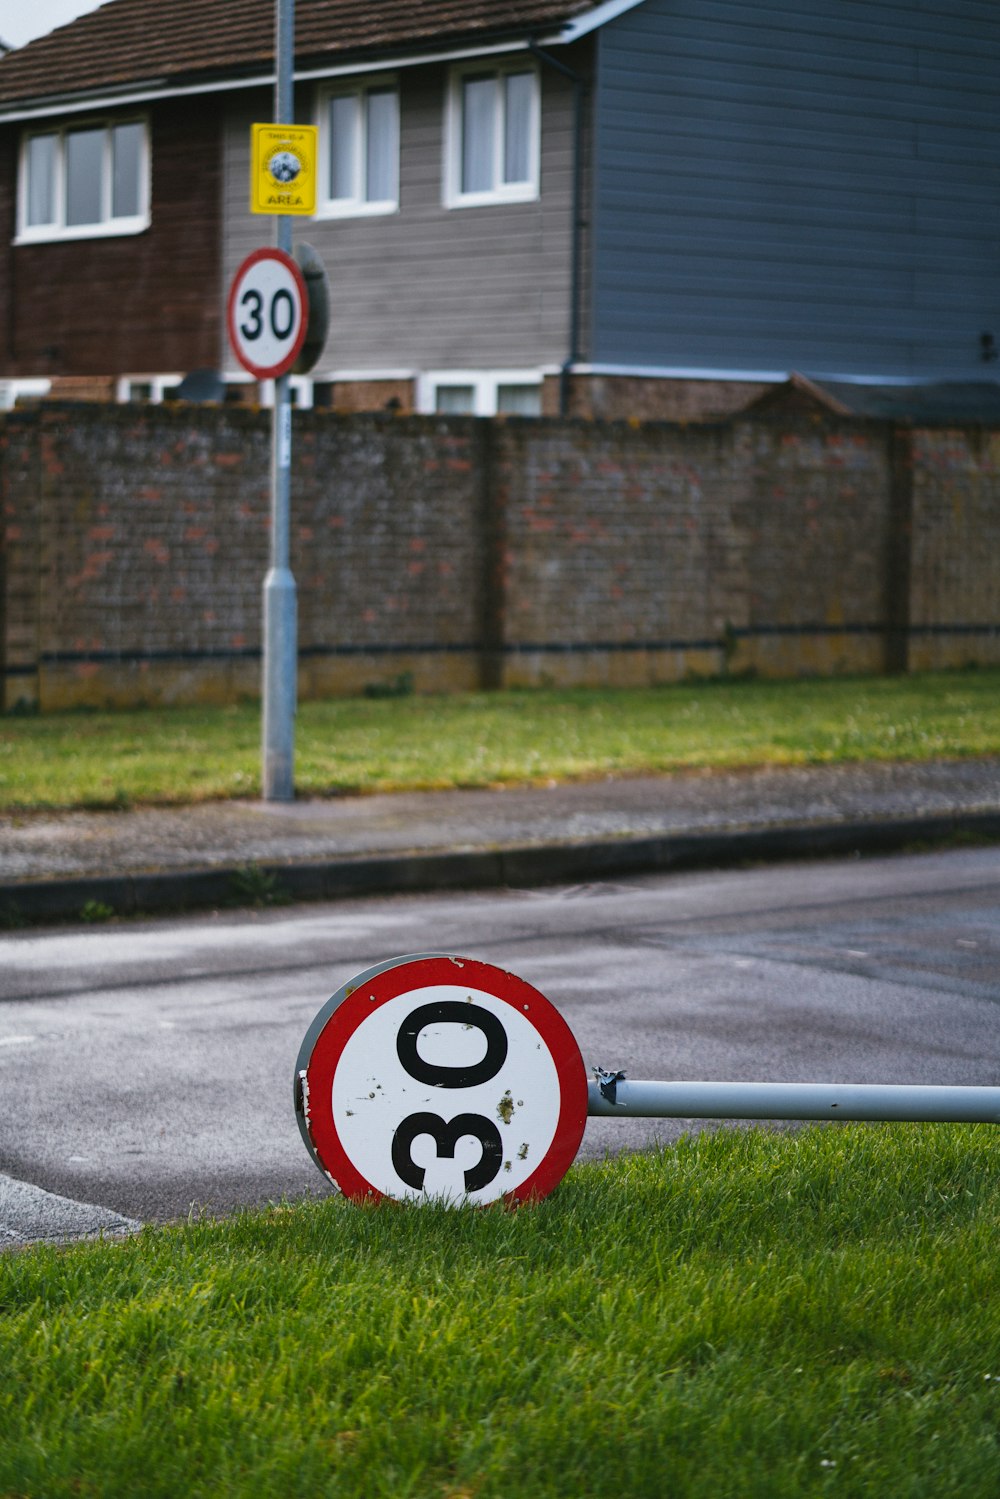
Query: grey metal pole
point(280, 623)
point(918, 1103)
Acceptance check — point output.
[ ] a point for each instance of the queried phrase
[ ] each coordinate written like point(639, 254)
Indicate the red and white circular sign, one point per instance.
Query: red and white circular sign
point(438, 1077)
point(267, 313)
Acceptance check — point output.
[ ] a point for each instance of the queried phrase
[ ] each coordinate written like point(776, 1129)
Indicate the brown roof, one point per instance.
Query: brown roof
point(130, 42)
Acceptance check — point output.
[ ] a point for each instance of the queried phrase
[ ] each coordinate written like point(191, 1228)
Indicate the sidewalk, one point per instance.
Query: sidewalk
point(222, 853)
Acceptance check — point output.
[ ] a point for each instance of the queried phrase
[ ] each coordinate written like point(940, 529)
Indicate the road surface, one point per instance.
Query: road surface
point(147, 1066)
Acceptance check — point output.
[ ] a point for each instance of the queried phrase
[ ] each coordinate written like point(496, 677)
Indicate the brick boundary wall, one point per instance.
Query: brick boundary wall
point(454, 553)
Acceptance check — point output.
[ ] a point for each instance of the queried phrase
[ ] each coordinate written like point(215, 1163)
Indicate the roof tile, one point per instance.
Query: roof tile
point(143, 41)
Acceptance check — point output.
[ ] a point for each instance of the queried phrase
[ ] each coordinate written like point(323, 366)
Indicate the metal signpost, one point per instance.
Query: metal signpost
point(438, 1077)
point(280, 622)
point(271, 326)
point(613, 1094)
point(267, 315)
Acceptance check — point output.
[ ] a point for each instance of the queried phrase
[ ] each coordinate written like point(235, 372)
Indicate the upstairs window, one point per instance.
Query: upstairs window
point(86, 180)
point(493, 130)
point(359, 149)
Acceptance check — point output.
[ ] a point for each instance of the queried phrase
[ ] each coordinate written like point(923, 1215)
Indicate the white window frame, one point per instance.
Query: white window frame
point(500, 192)
point(11, 391)
point(160, 387)
point(104, 227)
point(358, 205)
point(485, 386)
point(301, 386)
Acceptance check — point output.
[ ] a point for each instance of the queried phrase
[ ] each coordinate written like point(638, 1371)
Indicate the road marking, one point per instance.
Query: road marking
point(17, 1040)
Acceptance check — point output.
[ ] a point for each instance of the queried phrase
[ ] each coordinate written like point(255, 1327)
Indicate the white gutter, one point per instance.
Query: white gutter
point(391, 64)
point(761, 377)
point(162, 89)
point(584, 25)
point(678, 372)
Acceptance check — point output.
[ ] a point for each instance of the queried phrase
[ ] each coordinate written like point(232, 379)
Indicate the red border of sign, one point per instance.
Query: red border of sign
point(269, 372)
point(521, 996)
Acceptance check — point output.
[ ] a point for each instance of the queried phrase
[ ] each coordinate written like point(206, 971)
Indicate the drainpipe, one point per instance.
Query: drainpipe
point(579, 86)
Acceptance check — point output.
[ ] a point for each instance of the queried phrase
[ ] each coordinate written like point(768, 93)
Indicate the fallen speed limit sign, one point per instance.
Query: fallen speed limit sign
point(438, 1077)
point(267, 313)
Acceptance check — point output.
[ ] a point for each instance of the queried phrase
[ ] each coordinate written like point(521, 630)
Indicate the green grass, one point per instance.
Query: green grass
point(487, 739)
point(750, 1314)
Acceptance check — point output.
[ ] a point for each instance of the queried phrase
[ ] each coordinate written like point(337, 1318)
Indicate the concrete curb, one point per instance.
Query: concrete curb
point(30, 1215)
point(51, 900)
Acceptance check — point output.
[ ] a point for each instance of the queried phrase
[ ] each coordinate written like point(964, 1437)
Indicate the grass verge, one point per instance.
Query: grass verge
point(117, 759)
point(747, 1314)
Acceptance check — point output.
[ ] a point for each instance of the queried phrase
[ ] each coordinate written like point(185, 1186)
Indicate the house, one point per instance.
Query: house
point(635, 208)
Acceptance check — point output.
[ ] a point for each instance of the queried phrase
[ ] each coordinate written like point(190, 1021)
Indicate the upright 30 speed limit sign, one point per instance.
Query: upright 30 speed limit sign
point(267, 313)
point(438, 1077)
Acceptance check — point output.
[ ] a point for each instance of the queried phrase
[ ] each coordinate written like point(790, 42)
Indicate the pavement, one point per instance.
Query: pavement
point(53, 867)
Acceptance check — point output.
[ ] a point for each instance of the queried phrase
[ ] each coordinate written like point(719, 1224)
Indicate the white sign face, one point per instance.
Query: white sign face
point(267, 313)
point(442, 1078)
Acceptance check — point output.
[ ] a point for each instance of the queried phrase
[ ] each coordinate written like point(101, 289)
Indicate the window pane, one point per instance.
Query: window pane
point(126, 180)
point(519, 400)
point(343, 137)
point(518, 88)
point(41, 204)
point(84, 158)
point(455, 400)
point(478, 134)
point(382, 148)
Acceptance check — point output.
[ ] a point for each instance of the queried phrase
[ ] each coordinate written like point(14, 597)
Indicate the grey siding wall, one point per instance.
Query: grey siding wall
point(799, 184)
point(429, 287)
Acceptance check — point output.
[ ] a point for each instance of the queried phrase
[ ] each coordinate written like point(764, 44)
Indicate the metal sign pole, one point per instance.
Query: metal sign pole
point(612, 1096)
point(280, 626)
point(528, 1055)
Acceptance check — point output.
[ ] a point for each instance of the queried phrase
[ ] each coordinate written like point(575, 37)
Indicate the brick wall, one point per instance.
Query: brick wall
point(624, 550)
point(611, 398)
point(137, 544)
point(466, 553)
point(955, 578)
point(818, 545)
point(20, 550)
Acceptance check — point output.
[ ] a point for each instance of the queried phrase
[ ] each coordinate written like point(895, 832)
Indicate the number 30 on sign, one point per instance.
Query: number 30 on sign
point(267, 313)
point(437, 1077)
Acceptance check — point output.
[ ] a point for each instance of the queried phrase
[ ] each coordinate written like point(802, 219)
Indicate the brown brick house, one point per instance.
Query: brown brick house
point(634, 208)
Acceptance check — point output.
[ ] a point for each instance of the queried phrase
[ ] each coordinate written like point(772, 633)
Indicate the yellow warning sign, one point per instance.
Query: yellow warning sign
point(283, 168)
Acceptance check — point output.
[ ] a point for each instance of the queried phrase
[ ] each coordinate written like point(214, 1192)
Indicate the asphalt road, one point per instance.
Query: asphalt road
point(147, 1066)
